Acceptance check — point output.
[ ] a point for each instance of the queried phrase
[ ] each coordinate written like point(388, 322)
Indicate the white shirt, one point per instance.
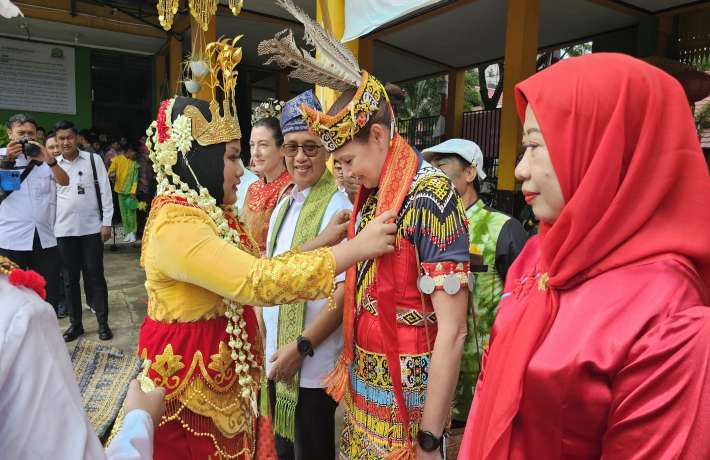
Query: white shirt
point(325, 355)
point(78, 213)
point(42, 412)
point(244, 182)
point(30, 208)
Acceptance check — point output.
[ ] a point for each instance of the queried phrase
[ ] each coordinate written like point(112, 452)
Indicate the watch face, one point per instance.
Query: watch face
point(427, 441)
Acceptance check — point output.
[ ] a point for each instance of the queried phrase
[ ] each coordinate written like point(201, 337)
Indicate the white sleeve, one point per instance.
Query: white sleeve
point(339, 202)
point(106, 193)
point(39, 396)
point(42, 412)
point(135, 440)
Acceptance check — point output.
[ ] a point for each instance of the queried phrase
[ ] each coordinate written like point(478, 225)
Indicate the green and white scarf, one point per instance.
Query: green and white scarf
point(292, 316)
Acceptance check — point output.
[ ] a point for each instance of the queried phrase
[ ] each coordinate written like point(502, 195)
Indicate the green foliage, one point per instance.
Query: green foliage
point(423, 98)
point(702, 64)
point(4, 140)
point(472, 94)
point(702, 118)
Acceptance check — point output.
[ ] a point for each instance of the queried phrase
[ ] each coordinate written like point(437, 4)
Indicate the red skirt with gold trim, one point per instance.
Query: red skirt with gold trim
point(205, 418)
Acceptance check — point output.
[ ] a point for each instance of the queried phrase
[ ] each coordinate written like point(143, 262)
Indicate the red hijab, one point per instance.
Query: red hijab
point(622, 141)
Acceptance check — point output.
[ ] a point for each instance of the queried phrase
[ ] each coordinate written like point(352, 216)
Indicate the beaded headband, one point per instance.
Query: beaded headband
point(337, 130)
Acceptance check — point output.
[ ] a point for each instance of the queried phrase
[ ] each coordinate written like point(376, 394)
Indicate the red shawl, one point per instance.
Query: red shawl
point(622, 141)
point(396, 178)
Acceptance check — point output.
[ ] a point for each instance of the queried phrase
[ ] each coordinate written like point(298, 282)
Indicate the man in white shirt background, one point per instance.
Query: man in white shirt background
point(84, 213)
point(303, 341)
point(27, 215)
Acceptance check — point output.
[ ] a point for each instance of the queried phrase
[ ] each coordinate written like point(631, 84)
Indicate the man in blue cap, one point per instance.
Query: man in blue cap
point(303, 340)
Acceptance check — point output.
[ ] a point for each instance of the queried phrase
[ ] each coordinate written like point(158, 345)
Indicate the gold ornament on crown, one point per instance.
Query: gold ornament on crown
point(222, 56)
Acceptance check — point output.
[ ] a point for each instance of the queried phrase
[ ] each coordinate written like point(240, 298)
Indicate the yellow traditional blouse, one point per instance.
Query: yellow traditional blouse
point(190, 269)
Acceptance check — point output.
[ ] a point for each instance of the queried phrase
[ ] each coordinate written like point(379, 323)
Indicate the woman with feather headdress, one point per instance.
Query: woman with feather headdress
point(404, 314)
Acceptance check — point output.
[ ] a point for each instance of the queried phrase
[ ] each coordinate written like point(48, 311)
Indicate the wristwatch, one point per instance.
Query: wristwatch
point(428, 442)
point(53, 164)
point(304, 346)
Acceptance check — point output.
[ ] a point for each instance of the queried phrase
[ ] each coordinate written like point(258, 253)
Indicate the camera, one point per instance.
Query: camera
point(28, 149)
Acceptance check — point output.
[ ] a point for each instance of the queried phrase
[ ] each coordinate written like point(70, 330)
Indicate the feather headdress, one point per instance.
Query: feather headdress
point(336, 67)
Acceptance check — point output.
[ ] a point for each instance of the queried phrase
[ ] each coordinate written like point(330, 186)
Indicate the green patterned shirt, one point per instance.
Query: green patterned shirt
point(498, 238)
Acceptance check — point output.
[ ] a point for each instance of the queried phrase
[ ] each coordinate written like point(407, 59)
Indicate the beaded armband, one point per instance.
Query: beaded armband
point(449, 277)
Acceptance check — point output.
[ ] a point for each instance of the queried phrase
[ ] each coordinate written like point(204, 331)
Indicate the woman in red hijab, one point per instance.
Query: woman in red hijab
point(601, 347)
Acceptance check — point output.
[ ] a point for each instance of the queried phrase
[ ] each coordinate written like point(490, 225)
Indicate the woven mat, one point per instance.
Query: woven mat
point(103, 373)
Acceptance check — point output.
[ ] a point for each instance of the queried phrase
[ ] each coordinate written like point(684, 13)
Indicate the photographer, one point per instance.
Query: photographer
point(27, 213)
point(84, 213)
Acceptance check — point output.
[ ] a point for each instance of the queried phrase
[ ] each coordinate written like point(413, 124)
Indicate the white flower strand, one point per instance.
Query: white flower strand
point(164, 157)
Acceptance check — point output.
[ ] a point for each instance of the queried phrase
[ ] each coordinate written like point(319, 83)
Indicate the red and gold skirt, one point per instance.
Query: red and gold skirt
point(205, 418)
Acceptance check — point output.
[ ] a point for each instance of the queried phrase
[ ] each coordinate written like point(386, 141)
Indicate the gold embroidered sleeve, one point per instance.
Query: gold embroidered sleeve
point(293, 276)
point(185, 247)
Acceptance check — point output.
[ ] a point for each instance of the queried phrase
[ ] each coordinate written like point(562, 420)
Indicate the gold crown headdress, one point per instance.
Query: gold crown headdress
point(223, 58)
point(166, 139)
point(336, 68)
point(270, 108)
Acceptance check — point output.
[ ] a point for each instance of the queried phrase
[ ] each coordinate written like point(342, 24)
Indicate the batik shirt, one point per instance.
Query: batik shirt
point(498, 239)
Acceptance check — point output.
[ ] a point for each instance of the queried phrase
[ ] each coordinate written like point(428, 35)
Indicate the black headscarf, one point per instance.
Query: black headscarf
point(207, 162)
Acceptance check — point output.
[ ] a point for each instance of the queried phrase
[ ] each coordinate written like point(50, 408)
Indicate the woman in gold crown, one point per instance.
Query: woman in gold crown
point(200, 335)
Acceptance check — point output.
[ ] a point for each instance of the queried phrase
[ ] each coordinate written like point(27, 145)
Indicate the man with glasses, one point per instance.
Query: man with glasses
point(303, 340)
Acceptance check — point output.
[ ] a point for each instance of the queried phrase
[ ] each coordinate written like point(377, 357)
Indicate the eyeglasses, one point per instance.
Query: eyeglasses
point(310, 149)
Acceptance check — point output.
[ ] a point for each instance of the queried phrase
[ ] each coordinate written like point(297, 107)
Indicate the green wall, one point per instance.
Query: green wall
point(82, 119)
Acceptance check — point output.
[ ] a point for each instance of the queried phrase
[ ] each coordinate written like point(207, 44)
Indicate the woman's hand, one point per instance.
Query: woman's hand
point(377, 238)
point(286, 362)
point(152, 402)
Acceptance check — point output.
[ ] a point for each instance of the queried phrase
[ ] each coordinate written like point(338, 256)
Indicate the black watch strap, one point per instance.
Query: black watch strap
point(52, 164)
point(428, 442)
point(304, 346)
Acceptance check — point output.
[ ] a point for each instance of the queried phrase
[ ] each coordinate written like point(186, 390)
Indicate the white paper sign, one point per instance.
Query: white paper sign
point(37, 77)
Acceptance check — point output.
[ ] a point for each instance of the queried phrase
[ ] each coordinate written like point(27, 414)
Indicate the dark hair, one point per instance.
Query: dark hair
point(50, 135)
point(39, 128)
point(135, 146)
point(383, 115)
point(20, 119)
point(207, 162)
point(466, 164)
point(396, 95)
point(64, 124)
point(85, 133)
point(274, 126)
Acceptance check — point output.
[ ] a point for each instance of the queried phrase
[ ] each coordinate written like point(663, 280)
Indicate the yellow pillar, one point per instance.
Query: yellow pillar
point(521, 43)
point(200, 39)
point(175, 65)
point(331, 13)
point(454, 103)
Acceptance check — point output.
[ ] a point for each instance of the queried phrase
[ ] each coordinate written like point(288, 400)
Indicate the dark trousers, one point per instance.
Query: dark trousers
point(84, 253)
point(315, 426)
point(43, 261)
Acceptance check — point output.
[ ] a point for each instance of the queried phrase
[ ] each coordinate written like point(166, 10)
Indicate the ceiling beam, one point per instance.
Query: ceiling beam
point(224, 10)
point(687, 8)
point(622, 7)
point(96, 17)
point(416, 18)
point(412, 54)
